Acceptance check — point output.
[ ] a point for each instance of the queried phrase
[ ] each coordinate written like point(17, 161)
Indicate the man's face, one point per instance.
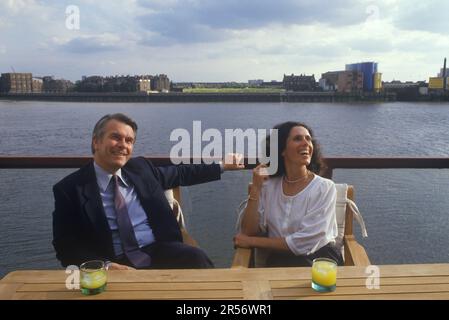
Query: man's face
point(115, 147)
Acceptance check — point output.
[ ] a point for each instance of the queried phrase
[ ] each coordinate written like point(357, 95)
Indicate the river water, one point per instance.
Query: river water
point(406, 211)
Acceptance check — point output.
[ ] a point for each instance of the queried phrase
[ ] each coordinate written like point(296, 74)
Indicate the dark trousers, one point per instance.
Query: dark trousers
point(174, 255)
point(288, 259)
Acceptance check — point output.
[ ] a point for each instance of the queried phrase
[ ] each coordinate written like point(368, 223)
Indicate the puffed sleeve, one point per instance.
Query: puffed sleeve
point(319, 225)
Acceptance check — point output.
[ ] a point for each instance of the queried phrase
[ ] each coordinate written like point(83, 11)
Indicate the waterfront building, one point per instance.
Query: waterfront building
point(121, 83)
point(273, 84)
point(437, 83)
point(128, 83)
point(342, 81)
point(369, 70)
point(406, 91)
point(180, 86)
point(51, 85)
point(377, 82)
point(16, 82)
point(324, 85)
point(441, 74)
point(160, 83)
point(328, 81)
point(424, 90)
point(255, 82)
point(144, 85)
point(36, 86)
point(90, 84)
point(299, 83)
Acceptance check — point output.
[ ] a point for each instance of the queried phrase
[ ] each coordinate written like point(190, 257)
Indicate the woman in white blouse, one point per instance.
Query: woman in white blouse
point(295, 206)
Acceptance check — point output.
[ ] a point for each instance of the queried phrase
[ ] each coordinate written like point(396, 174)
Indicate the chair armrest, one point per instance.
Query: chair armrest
point(188, 239)
point(242, 258)
point(355, 254)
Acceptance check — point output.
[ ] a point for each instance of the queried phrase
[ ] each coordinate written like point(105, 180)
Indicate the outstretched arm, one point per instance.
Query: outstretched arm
point(190, 174)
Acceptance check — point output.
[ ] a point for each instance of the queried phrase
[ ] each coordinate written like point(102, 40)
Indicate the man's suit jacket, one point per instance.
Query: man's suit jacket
point(80, 228)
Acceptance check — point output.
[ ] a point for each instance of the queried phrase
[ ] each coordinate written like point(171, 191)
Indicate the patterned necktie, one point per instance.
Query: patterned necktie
point(130, 245)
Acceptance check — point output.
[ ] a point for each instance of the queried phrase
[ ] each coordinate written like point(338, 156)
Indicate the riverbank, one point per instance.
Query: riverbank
point(203, 97)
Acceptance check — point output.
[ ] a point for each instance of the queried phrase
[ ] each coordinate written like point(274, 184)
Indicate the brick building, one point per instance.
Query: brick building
point(342, 81)
point(51, 85)
point(16, 82)
point(37, 85)
point(299, 83)
point(160, 83)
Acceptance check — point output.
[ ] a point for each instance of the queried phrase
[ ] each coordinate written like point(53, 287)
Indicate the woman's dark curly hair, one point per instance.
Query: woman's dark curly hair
point(316, 163)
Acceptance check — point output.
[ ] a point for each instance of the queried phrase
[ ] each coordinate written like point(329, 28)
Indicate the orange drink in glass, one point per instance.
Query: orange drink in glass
point(324, 275)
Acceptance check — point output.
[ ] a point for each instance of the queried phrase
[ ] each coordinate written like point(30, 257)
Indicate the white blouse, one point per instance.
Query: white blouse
point(306, 220)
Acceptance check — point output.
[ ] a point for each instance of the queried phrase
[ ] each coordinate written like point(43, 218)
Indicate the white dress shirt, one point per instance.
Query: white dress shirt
point(306, 220)
point(137, 215)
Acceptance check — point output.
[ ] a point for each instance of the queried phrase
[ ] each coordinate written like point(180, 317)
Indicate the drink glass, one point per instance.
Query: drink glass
point(93, 277)
point(324, 275)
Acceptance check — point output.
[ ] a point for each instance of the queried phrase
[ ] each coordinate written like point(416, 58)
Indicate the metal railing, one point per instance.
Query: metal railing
point(50, 162)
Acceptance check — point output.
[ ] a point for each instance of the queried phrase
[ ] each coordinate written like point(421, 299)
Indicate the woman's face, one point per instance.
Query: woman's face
point(299, 147)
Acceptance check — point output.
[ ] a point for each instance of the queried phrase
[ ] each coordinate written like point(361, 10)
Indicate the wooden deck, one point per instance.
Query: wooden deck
point(420, 281)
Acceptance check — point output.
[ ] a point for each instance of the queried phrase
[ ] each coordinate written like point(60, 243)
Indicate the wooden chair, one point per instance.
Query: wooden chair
point(174, 199)
point(354, 253)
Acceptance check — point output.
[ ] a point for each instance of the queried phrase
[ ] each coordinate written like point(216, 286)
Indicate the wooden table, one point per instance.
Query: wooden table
point(423, 281)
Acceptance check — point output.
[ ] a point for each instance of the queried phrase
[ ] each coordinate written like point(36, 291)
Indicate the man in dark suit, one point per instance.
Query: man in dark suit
point(114, 209)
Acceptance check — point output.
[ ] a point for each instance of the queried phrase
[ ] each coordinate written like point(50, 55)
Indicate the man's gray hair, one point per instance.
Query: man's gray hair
point(99, 131)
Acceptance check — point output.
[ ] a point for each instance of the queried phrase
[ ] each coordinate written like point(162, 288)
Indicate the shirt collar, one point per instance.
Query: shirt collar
point(104, 177)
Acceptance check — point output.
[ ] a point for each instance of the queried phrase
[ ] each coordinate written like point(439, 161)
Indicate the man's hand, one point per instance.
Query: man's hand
point(116, 266)
point(233, 161)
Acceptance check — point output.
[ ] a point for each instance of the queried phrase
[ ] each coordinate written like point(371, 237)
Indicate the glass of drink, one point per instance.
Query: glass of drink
point(324, 275)
point(93, 277)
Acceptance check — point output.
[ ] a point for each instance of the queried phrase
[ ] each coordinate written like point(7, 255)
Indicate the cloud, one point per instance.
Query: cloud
point(221, 40)
point(92, 44)
point(371, 46)
point(431, 16)
point(204, 20)
point(170, 34)
point(18, 6)
point(3, 23)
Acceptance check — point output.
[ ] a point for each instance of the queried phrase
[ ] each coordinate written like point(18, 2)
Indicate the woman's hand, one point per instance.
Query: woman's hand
point(242, 241)
point(260, 174)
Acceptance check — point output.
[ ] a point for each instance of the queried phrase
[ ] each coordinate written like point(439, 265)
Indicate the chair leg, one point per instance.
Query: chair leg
point(242, 258)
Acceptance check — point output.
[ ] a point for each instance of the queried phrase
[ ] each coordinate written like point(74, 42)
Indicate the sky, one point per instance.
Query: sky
point(222, 40)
